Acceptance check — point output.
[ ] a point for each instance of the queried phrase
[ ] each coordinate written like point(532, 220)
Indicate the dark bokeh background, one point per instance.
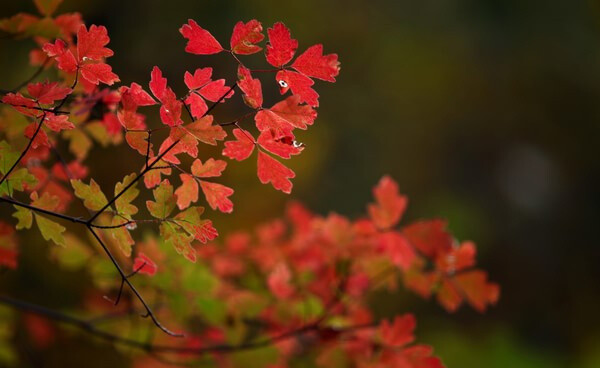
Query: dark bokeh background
point(486, 112)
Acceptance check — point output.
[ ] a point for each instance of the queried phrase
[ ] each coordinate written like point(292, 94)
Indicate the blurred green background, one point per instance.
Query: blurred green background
point(486, 112)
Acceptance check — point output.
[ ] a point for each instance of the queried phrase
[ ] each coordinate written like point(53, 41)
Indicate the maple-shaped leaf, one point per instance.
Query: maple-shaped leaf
point(285, 115)
point(58, 122)
point(50, 230)
point(430, 237)
point(197, 105)
point(134, 96)
point(245, 37)
point(123, 203)
point(279, 281)
point(121, 236)
point(170, 111)
point(99, 72)
point(457, 259)
point(186, 143)
point(47, 7)
point(389, 206)
point(90, 43)
point(478, 291)
point(280, 146)
point(200, 41)
point(64, 57)
point(187, 193)
point(47, 92)
point(313, 63)
point(209, 169)
point(399, 332)
point(45, 201)
point(273, 171)
point(139, 142)
point(153, 177)
point(91, 194)
point(190, 221)
point(200, 78)
point(40, 139)
point(281, 47)
point(241, 148)
point(143, 264)
point(217, 196)
point(164, 200)
point(300, 85)
point(395, 246)
point(251, 87)
point(20, 103)
point(18, 180)
point(179, 240)
point(24, 217)
point(205, 131)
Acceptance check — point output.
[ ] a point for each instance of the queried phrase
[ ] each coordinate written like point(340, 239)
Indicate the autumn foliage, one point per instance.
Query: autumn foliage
point(294, 286)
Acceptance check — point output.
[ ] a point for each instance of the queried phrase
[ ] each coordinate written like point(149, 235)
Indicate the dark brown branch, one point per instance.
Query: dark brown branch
point(124, 278)
point(148, 347)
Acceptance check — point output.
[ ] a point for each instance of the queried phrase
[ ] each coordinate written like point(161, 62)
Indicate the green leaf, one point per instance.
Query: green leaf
point(79, 142)
point(191, 222)
point(98, 131)
point(179, 240)
point(24, 216)
point(74, 256)
point(121, 236)
point(7, 157)
point(17, 181)
point(123, 203)
point(165, 201)
point(51, 230)
point(91, 194)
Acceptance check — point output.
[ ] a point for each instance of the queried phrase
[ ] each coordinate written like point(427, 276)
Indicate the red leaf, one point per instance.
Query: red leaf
point(187, 193)
point(300, 86)
point(457, 259)
point(197, 105)
point(214, 91)
point(90, 43)
point(205, 231)
point(41, 139)
point(273, 171)
point(284, 116)
point(429, 237)
point(399, 332)
point(251, 88)
point(58, 122)
point(96, 73)
point(245, 36)
point(204, 130)
point(241, 148)
point(210, 168)
point(20, 103)
point(478, 291)
point(281, 46)
point(47, 92)
point(170, 111)
point(64, 57)
point(279, 281)
point(397, 248)
point(282, 147)
point(144, 264)
point(217, 196)
point(314, 64)
point(134, 96)
point(390, 206)
point(200, 78)
point(200, 41)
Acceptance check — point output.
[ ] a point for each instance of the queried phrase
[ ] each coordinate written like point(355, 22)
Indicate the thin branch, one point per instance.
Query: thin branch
point(149, 311)
point(41, 210)
point(89, 327)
